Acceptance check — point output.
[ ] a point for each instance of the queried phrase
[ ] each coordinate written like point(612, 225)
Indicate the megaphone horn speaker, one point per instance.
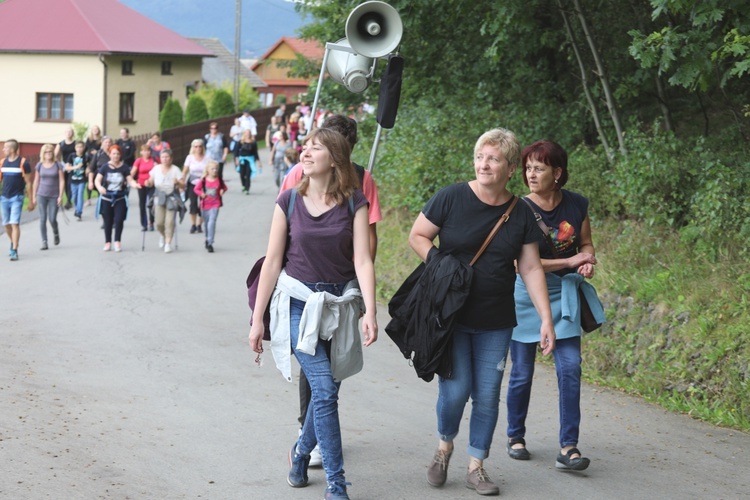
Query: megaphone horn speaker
point(374, 29)
point(350, 70)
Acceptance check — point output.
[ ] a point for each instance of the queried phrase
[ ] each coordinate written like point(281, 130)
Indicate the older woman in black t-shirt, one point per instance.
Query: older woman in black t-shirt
point(568, 258)
point(462, 216)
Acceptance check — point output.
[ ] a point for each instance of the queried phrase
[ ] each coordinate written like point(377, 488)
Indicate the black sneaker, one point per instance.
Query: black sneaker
point(210, 248)
point(57, 239)
point(297, 477)
point(199, 228)
point(192, 229)
point(44, 246)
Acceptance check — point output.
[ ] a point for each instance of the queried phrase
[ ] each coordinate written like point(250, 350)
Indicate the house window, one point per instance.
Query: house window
point(127, 67)
point(166, 67)
point(127, 107)
point(164, 96)
point(54, 107)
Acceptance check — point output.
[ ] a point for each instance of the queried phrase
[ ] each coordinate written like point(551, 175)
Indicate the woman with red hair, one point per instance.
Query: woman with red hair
point(112, 181)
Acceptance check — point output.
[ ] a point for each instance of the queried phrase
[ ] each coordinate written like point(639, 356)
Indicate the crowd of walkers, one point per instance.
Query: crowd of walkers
point(525, 278)
point(98, 170)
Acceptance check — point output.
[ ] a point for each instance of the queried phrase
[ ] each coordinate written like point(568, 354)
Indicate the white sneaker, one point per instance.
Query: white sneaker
point(316, 460)
point(167, 248)
point(117, 247)
point(161, 241)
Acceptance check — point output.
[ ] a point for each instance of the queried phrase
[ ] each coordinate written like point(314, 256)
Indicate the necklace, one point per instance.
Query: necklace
point(317, 208)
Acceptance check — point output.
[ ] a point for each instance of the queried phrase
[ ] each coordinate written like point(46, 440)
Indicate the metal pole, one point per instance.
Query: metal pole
point(237, 50)
point(320, 85)
point(374, 151)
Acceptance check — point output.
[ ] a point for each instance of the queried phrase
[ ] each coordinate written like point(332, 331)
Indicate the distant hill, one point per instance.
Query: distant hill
point(263, 21)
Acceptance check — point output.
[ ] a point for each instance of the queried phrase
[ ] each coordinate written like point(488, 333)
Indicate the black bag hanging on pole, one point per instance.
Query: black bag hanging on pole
point(390, 92)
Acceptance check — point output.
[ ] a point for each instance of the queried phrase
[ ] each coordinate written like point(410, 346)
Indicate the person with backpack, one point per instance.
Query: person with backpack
point(63, 150)
point(47, 193)
point(320, 229)
point(277, 158)
point(210, 190)
point(249, 160)
point(348, 128)
point(217, 147)
point(165, 179)
point(76, 165)
point(93, 146)
point(16, 176)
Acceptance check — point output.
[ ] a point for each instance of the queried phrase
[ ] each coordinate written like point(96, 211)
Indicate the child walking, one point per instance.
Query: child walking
point(76, 164)
point(210, 190)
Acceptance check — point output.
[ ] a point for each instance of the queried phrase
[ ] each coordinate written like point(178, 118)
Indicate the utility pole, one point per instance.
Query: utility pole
point(237, 37)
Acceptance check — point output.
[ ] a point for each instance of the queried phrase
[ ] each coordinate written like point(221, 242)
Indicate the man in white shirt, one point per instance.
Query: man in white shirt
point(247, 122)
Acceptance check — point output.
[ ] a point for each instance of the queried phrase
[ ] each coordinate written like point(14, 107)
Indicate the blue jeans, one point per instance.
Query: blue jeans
point(478, 364)
point(567, 356)
point(322, 421)
point(11, 208)
point(76, 192)
point(47, 210)
point(209, 221)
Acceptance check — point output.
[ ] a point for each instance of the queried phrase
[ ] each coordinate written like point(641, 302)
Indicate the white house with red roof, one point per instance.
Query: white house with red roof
point(277, 76)
point(89, 61)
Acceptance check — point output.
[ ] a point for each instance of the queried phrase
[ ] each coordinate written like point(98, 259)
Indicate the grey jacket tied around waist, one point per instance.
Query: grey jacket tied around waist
point(325, 316)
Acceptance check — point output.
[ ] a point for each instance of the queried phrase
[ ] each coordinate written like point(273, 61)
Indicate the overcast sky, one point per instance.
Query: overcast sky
point(263, 21)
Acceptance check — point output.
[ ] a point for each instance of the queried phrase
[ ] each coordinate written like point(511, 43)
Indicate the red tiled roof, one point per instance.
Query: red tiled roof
point(87, 26)
point(308, 49)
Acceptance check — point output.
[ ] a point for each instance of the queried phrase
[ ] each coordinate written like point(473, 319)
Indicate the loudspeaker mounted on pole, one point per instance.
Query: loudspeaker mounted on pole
point(351, 70)
point(374, 29)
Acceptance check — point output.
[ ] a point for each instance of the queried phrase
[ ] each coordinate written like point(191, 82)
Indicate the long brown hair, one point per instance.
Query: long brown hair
point(344, 180)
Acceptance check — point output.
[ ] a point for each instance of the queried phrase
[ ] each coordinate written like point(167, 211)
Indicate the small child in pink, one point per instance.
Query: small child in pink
point(210, 189)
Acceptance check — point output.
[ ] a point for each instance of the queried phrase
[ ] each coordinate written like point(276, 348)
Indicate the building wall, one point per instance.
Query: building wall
point(26, 74)
point(146, 83)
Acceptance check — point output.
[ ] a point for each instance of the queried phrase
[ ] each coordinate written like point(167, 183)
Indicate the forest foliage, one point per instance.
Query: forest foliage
point(652, 101)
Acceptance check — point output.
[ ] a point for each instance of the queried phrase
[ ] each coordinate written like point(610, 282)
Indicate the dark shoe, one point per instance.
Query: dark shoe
point(336, 491)
point(437, 472)
point(44, 246)
point(297, 477)
point(564, 462)
point(57, 239)
point(210, 248)
point(192, 229)
point(144, 229)
point(479, 481)
point(13, 254)
point(199, 229)
point(78, 217)
point(68, 206)
point(517, 453)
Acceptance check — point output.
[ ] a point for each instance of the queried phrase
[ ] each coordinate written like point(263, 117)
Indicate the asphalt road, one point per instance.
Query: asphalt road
point(128, 376)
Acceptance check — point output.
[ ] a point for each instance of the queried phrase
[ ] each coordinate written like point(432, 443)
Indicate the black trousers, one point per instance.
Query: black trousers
point(113, 212)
